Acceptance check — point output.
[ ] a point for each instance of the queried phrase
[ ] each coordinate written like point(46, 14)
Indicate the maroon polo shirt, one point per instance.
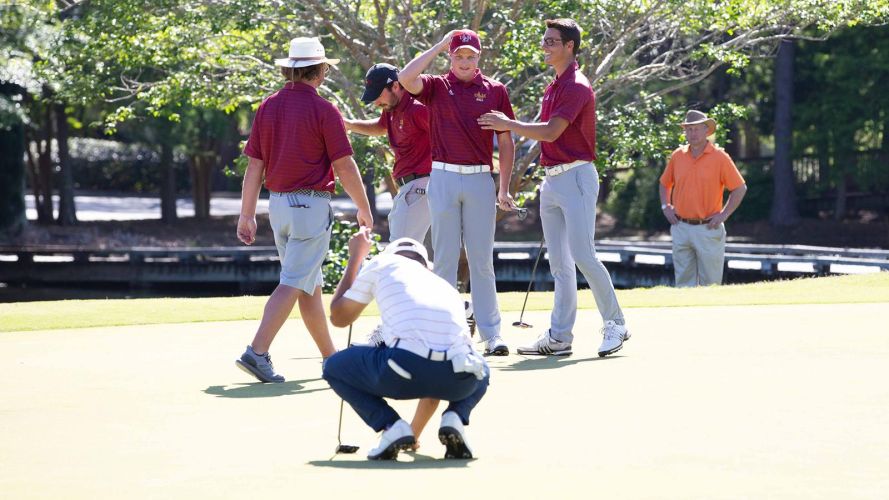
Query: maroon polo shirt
point(408, 129)
point(298, 135)
point(571, 97)
point(454, 108)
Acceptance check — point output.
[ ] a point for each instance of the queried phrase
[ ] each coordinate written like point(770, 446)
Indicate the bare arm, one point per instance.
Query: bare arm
point(365, 127)
point(409, 76)
point(544, 132)
point(731, 204)
point(344, 311)
point(507, 157)
point(669, 213)
point(249, 196)
point(350, 178)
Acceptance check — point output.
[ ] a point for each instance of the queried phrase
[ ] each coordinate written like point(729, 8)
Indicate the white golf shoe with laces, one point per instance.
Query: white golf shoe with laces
point(545, 345)
point(613, 338)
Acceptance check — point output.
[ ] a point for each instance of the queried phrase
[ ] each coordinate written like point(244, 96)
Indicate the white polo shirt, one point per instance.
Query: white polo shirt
point(414, 303)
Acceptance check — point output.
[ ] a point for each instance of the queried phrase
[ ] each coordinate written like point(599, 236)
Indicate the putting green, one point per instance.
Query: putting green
point(783, 401)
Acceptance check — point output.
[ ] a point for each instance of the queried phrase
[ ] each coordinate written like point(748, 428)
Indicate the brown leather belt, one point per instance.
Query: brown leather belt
point(410, 177)
point(694, 222)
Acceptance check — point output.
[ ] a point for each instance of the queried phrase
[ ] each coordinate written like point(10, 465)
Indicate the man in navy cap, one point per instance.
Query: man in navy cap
point(405, 121)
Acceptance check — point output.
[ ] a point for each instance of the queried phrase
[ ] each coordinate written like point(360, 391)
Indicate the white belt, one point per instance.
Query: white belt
point(420, 349)
point(460, 169)
point(564, 167)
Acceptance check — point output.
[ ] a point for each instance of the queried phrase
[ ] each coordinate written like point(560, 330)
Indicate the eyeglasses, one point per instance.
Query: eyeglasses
point(550, 41)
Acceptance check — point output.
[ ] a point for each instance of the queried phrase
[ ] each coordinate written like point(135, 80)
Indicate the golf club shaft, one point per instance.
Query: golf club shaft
point(339, 427)
point(533, 274)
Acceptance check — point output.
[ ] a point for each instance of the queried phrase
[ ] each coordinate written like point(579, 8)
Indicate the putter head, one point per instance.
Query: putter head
point(522, 324)
point(522, 213)
point(346, 448)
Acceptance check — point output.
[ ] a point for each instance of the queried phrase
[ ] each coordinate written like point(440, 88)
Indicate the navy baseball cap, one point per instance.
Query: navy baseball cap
point(376, 79)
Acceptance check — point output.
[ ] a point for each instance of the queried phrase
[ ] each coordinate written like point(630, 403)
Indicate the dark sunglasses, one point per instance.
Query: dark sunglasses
point(550, 41)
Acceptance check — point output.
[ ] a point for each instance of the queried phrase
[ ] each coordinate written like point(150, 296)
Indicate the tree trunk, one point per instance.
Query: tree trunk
point(12, 178)
point(784, 211)
point(43, 175)
point(168, 182)
point(201, 170)
point(67, 210)
point(839, 208)
point(751, 140)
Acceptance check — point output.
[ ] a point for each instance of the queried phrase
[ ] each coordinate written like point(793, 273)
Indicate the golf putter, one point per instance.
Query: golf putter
point(340, 447)
point(520, 323)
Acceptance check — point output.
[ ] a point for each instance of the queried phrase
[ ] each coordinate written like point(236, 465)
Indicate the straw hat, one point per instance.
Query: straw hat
point(694, 117)
point(305, 52)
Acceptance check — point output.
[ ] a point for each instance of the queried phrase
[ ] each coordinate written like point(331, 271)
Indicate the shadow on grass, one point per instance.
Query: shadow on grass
point(260, 390)
point(419, 461)
point(548, 362)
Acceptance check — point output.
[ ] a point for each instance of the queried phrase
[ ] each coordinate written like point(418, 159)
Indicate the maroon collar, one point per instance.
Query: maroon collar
point(299, 87)
point(476, 80)
point(568, 73)
point(406, 99)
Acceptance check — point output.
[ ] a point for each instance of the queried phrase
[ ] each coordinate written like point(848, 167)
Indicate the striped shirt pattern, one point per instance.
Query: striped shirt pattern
point(414, 303)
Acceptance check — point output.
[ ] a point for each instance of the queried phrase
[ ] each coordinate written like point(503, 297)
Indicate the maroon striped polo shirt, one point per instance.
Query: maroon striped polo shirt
point(454, 108)
point(298, 135)
point(571, 97)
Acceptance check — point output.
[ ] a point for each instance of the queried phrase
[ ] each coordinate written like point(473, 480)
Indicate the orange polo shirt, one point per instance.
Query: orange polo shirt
point(698, 183)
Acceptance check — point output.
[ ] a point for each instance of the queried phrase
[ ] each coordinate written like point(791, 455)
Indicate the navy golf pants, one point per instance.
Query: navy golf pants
point(363, 376)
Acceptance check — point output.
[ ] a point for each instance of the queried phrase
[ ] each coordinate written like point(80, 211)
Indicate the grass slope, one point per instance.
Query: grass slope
point(27, 316)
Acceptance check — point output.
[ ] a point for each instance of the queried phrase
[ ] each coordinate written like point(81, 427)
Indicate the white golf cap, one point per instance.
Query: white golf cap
point(407, 245)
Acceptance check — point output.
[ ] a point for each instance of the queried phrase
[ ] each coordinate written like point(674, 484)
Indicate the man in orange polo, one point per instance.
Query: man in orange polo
point(691, 191)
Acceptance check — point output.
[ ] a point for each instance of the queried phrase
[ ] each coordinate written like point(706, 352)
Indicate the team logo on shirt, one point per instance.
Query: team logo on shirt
point(480, 97)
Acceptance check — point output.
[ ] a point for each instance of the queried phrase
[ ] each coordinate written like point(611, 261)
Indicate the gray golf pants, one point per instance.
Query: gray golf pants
point(568, 214)
point(409, 217)
point(463, 209)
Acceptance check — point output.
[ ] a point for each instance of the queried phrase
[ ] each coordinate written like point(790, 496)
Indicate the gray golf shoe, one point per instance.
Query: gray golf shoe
point(260, 366)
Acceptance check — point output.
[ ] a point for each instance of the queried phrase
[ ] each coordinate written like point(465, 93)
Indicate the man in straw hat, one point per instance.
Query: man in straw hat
point(427, 351)
point(691, 189)
point(297, 143)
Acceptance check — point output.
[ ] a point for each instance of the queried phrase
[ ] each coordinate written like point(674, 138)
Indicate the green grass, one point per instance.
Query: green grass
point(27, 316)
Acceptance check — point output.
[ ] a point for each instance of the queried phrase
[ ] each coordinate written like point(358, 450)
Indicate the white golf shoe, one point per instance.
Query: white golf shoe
point(613, 338)
point(496, 347)
point(451, 434)
point(394, 439)
point(545, 345)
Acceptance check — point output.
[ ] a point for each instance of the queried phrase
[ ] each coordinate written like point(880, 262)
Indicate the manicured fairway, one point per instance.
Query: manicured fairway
point(781, 401)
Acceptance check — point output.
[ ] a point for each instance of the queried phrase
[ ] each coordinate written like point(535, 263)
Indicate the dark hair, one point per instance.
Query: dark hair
point(305, 73)
point(412, 255)
point(569, 30)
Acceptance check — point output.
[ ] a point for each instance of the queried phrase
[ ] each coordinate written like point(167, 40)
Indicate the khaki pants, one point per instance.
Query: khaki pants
point(698, 254)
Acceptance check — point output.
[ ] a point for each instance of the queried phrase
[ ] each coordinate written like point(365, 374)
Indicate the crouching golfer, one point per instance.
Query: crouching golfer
point(430, 355)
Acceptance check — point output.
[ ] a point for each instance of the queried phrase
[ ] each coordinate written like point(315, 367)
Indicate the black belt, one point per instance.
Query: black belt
point(694, 222)
point(410, 177)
